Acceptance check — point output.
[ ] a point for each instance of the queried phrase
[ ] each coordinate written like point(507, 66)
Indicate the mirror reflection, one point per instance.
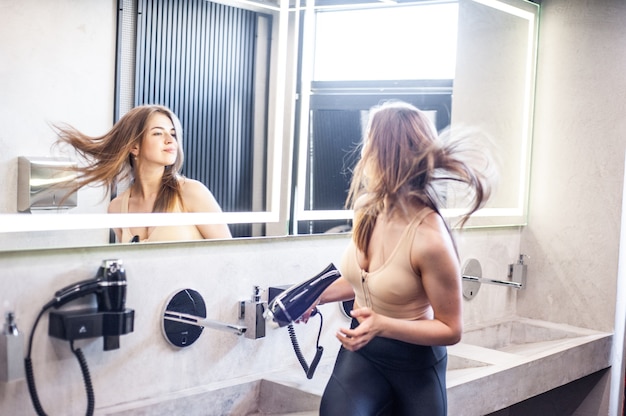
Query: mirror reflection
point(481, 78)
point(145, 148)
point(210, 63)
point(234, 96)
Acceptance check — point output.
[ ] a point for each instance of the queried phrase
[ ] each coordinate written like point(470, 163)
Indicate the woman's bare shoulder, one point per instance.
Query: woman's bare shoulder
point(432, 235)
point(432, 247)
point(192, 187)
point(115, 206)
point(197, 197)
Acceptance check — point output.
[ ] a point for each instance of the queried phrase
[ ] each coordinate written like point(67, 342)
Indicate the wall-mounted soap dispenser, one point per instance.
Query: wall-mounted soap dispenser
point(252, 312)
point(11, 350)
point(45, 183)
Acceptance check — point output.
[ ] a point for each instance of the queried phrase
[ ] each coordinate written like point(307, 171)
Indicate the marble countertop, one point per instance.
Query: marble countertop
point(495, 366)
point(482, 380)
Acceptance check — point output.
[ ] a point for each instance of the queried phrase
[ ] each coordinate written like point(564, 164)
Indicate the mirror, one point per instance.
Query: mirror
point(80, 60)
point(501, 70)
point(492, 47)
point(90, 35)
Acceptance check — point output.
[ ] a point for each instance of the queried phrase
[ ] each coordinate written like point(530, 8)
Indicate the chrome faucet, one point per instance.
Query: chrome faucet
point(184, 318)
point(188, 307)
point(472, 277)
point(507, 283)
point(203, 322)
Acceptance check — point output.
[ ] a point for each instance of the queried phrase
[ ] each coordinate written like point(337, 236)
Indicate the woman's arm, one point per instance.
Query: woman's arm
point(338, 291)
point(434, 256)
point(198, 198)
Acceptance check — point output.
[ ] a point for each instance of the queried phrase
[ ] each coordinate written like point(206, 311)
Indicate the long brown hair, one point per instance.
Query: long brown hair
point(404, 162)
point(108, 157)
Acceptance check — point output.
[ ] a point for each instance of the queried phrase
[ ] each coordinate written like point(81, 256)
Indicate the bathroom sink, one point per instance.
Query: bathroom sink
point(264, 397)
point(523, 336)
point(456, 363)
point(278, 399)
point(252, 398)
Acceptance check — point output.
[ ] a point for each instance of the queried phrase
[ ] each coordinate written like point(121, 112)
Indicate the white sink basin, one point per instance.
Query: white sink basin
point(513, 360)
point(523, 336)
point(259, 397)
point(456, 363)
point(262, 397)
point(526, 357)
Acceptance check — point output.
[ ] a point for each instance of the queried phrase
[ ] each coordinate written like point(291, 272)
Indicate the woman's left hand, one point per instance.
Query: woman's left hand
point(357, 338)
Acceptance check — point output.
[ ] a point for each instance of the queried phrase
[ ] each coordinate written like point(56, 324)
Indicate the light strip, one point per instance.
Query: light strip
point(340, 214)
point(310, 215)
point(299, 212)
point(10, 223)
point(506, 8)
point(528, 87)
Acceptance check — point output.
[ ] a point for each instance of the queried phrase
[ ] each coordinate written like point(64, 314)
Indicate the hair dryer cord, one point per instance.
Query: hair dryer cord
point(30, 376)
point(308, 370)
point(28, 366)
point(91, 400)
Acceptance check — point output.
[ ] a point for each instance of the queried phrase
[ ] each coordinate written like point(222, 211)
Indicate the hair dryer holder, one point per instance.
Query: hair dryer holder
point(89, 323)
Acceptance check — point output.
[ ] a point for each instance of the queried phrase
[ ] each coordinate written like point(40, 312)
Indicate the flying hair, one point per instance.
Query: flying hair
point(405, 161)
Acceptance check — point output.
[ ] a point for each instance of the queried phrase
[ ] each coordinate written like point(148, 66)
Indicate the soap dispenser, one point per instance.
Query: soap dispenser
point(11, 351)
point(518, 271)
point(252, 313)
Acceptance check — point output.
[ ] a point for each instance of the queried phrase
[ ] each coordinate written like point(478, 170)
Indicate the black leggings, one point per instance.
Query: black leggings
point(387, 377)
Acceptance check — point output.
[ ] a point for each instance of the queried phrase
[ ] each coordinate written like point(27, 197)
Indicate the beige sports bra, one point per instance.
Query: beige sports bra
point(165, 233)
point(394, 289)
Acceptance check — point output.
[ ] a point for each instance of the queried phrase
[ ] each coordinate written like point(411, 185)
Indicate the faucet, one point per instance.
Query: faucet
point(186, 318)
point(507, 283)
point(472, 277)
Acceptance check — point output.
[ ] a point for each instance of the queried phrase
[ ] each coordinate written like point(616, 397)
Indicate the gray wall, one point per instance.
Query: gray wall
point(572, 237)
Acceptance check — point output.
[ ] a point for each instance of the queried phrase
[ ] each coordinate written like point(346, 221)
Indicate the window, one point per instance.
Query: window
point(361, 58)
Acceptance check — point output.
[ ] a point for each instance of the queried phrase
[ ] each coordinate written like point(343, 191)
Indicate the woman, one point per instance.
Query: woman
point(401, 269)
point(145, 147)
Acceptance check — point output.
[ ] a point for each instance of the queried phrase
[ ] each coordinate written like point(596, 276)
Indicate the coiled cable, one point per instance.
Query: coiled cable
point(91, 400)
point(30, 376)
point(308, 370)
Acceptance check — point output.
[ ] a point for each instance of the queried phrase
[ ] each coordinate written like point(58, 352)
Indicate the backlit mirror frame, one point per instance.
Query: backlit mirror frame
point(276, 217)
point(26, 223)
point(513, 216)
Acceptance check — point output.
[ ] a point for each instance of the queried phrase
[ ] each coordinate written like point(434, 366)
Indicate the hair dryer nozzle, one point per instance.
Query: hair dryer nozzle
point(112, 297)
point(291, 304)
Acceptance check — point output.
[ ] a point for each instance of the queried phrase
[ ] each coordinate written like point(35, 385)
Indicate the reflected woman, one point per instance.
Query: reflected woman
point(144, 148)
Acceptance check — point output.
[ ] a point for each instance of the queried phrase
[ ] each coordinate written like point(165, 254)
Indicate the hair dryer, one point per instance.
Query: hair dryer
point(291, 304)
point(109, 285)
point(110, 321)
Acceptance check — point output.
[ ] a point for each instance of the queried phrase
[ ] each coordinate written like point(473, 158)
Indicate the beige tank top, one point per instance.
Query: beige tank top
point(165, 233)
point(394, 289)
